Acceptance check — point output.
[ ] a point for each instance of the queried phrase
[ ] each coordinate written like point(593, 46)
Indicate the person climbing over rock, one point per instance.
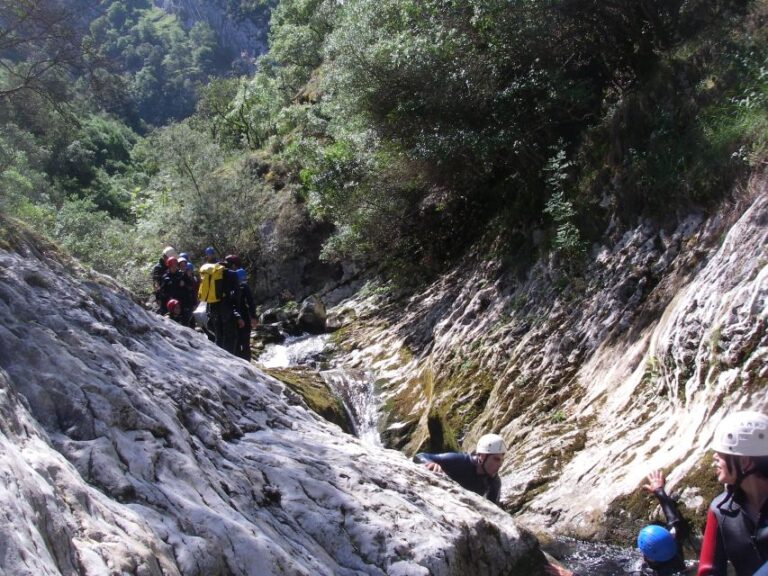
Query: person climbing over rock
point(660, 546)
point(478, 472)
point(158, 271)
point(737, 521)
point(248, 313)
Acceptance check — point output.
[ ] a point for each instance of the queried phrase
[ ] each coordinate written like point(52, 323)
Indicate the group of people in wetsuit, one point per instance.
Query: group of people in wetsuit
point(228, 322)
point(736, 531)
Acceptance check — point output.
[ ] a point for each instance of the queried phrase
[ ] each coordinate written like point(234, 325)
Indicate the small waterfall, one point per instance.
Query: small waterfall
point(353, 387)
point(356, 391)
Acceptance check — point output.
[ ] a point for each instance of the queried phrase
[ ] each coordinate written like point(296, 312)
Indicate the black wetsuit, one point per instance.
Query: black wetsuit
point(224, 315)
point(462, 468)
point(247, 311)
point(733, 534)
point(679, 528)
point(177, 285)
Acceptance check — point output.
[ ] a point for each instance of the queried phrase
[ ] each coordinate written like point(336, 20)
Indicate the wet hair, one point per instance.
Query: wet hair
point(730, 463)
point(760, 466)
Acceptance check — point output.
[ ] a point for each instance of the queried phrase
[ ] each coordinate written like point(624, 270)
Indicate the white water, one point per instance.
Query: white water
point(294, 351)
point(354, 387)
point(356, 391)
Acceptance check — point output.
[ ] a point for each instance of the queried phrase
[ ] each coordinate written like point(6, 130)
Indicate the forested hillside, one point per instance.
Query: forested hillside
point(393, 132)
point(560, 205)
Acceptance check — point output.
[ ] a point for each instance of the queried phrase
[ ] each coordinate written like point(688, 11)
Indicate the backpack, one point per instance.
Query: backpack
point(211, 287)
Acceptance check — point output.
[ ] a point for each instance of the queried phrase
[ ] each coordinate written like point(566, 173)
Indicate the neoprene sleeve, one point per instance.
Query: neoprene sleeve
point(712, 561)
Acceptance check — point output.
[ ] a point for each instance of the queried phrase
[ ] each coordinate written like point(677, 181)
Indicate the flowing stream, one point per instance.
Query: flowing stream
point(354, 387)
point(590, 559)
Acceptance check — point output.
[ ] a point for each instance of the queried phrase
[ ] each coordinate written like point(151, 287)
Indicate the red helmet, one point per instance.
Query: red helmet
point(171, 305)
point(171, 261)
point(232, 261)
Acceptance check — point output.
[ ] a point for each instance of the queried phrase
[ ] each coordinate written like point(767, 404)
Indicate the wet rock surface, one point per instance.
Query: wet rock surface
point(130, 444)
point(593, 379)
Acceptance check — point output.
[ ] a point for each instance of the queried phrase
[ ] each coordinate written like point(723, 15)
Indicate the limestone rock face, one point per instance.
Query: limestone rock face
point(130, 444)
point(234, 35)
point(593, 380)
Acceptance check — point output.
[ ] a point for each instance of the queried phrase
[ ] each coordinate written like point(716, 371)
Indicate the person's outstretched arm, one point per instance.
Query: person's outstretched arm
point(675, 522)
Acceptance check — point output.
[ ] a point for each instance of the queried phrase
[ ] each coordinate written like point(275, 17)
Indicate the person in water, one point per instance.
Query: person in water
point(660, 546)
point(478, 472)
point(737, 521)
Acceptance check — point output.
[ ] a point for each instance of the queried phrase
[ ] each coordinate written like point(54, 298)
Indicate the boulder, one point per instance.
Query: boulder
point(272, 316)
point(268, 333)
point(312, 315)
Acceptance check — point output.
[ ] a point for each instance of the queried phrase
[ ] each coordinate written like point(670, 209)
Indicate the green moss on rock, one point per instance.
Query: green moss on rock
point(701, 478)
point(315, 392)
point(441, 436)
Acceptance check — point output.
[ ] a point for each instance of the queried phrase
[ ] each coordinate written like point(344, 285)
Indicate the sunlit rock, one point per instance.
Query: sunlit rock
point(129, 444)
point(593, 380)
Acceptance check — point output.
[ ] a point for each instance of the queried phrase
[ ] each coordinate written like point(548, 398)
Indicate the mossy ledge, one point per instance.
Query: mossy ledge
point(315, 392)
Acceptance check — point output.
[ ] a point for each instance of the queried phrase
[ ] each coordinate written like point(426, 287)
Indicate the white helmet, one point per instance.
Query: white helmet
point(491, 444)
point(168, 251)
point(742, 434)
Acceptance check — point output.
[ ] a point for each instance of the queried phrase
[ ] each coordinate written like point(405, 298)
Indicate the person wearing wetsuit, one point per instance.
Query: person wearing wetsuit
point(477, 472)
point(248, 313)
point(158, 271)
point(175, 285)
point(224, 316)
point(737, 521)
point(660, 546)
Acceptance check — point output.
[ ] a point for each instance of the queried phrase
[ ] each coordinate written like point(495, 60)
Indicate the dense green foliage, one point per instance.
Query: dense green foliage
point(414, 127)
point(77, 78)
point(160, 63)
point(430, 120)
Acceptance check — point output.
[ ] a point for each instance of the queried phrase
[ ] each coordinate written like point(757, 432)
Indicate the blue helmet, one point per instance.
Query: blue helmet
point(190, 267)
point(185, 256)
point(241, 274)
point(656, 543)
point(210, 251)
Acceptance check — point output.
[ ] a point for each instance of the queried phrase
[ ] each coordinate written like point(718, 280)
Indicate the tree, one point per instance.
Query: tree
point(41, 45)
point(195, 197)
